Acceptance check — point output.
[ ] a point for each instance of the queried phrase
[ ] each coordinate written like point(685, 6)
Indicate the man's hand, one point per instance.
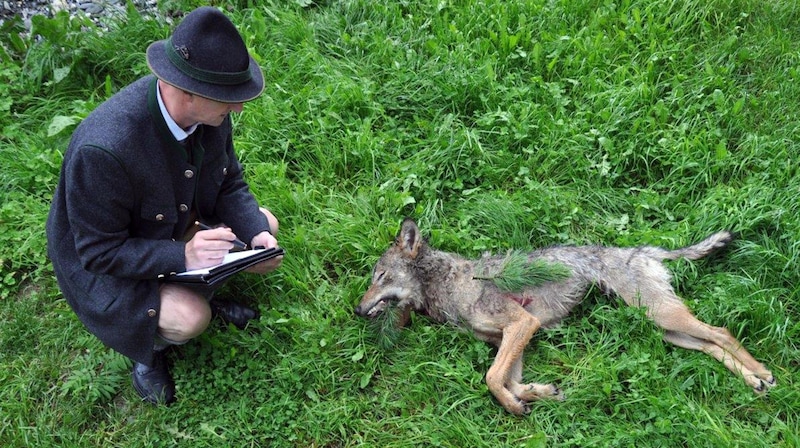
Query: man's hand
point(208, 247)
point(265, 239)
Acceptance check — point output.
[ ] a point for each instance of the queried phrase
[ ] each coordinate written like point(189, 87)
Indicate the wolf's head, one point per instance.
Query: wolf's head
point(394, 280)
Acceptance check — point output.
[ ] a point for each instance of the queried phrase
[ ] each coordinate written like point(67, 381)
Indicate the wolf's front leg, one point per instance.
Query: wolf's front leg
point(500, 376)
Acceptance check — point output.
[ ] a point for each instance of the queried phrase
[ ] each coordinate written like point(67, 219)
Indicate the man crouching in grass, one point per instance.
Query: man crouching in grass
point(140, 171)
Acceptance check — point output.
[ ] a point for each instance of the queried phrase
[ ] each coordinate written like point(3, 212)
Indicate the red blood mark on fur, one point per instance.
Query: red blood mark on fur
point(522, 300)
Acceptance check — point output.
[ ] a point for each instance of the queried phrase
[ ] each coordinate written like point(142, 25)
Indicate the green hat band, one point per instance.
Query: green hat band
point(211, 77)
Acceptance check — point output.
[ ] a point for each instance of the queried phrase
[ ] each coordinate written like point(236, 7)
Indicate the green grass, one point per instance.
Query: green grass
point(497, 125)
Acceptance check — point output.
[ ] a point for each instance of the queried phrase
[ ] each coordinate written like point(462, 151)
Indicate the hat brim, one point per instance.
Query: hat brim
point(163, 69)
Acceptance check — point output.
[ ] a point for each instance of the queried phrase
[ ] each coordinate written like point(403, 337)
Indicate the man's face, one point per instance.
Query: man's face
point(210, 112)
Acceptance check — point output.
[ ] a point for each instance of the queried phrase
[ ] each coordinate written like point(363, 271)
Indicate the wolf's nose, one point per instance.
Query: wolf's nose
point(358, 310)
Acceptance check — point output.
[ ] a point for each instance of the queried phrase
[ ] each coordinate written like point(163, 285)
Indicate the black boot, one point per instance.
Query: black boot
point(154, 383)
point(232, 312)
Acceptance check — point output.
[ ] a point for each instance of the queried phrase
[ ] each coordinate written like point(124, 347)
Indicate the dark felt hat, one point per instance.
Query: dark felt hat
point(206, 56)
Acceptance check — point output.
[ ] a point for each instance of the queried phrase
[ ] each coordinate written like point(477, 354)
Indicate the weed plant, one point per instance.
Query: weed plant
point(498, 126)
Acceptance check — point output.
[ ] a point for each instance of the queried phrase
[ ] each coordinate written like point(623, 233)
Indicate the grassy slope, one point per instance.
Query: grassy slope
point(496, 125)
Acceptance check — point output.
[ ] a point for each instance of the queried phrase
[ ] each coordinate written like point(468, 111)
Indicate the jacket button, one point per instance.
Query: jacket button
point(189, 174)
point(225, 171)
point(183, 208)
point(159, 217)
point(151, 313)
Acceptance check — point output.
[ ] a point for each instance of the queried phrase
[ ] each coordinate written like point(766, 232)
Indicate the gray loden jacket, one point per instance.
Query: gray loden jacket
point(123, 202)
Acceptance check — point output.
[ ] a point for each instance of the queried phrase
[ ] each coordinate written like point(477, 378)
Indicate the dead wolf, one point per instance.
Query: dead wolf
point(411, 275)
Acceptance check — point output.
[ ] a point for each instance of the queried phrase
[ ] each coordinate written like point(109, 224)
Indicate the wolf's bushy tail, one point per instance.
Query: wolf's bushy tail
point(698, 250)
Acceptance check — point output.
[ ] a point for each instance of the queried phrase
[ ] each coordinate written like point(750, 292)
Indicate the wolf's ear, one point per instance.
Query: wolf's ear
point(409, 239)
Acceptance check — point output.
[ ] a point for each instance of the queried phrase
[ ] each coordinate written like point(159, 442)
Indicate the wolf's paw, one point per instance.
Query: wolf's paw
point(534, 391)
point(555, 393)
point(558, 394)
point(515, 405)
point(525, 407)
point(765, 384)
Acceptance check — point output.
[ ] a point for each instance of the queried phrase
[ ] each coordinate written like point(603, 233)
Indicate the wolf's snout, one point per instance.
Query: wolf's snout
point(364, 311)
point(370, 310)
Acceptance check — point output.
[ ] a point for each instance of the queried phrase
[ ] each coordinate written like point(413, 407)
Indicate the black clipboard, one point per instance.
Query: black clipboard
point(234, 262)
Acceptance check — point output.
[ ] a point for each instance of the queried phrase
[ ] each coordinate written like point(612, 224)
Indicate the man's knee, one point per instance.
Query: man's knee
point(184, 314)
point(196, 319)
point(273, 221)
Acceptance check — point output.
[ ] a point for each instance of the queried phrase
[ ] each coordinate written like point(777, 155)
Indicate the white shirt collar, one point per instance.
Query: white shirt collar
point(178, 132)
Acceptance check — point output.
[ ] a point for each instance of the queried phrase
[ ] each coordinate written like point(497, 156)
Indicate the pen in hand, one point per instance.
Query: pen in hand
point(237, 242)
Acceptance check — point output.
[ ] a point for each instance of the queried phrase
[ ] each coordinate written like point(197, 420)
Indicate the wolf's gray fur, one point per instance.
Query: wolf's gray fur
point(411, 275)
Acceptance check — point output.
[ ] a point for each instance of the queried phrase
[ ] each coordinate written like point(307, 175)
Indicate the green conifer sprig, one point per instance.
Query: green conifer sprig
point(386, 329)
point(516, 272)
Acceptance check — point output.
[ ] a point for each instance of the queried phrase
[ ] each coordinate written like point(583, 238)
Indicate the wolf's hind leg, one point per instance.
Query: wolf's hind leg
point(760, 381)
point(685, 330)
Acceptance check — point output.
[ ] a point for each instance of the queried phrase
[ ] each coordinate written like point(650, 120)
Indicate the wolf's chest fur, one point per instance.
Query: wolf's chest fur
point(451, 293)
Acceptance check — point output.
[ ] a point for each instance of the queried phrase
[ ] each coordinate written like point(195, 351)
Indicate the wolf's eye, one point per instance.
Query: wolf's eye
point(378, 276)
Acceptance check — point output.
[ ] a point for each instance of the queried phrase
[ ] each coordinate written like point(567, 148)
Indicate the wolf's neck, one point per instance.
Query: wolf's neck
point(440, 273)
